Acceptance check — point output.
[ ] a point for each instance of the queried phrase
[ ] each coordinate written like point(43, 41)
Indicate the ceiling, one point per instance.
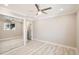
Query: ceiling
point(9, 18)
point(30, 9)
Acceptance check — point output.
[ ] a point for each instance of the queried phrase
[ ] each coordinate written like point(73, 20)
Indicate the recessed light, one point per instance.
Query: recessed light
point(61, 9)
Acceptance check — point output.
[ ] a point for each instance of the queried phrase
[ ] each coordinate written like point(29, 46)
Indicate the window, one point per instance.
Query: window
point(9, 26)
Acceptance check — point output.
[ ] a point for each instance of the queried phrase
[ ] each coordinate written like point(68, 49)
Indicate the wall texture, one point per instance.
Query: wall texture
point(77, 32)
point(58, 30)
point(10, 33)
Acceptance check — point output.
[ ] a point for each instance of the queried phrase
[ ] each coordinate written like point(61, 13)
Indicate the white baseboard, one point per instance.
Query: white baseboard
point(61, 45)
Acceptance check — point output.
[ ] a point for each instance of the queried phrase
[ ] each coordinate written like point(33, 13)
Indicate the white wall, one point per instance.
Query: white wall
point(59, 29)
point(77, 32)
point(10, 33)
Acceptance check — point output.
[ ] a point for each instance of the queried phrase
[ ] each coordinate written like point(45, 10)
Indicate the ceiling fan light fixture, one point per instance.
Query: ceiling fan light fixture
point(39, 13)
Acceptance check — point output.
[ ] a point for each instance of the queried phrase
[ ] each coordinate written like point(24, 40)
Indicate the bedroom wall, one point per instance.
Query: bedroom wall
point(60, 29)
point(77, 32)
point(10, 33)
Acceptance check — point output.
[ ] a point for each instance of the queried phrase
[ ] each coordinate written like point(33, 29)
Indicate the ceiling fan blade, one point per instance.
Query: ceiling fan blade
point(46, 9)
point(37, 6)
point(36, 14)
point(43, 12)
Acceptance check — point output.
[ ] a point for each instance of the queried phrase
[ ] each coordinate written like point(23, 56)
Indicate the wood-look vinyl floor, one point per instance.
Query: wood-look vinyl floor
point(34, 47)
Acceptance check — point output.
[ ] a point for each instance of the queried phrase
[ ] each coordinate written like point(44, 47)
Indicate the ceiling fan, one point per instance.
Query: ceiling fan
point(41, 10)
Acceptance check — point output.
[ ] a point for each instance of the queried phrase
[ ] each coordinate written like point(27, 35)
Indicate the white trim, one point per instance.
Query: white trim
point(31, 30)
point(57, 44)
point(24, 31)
